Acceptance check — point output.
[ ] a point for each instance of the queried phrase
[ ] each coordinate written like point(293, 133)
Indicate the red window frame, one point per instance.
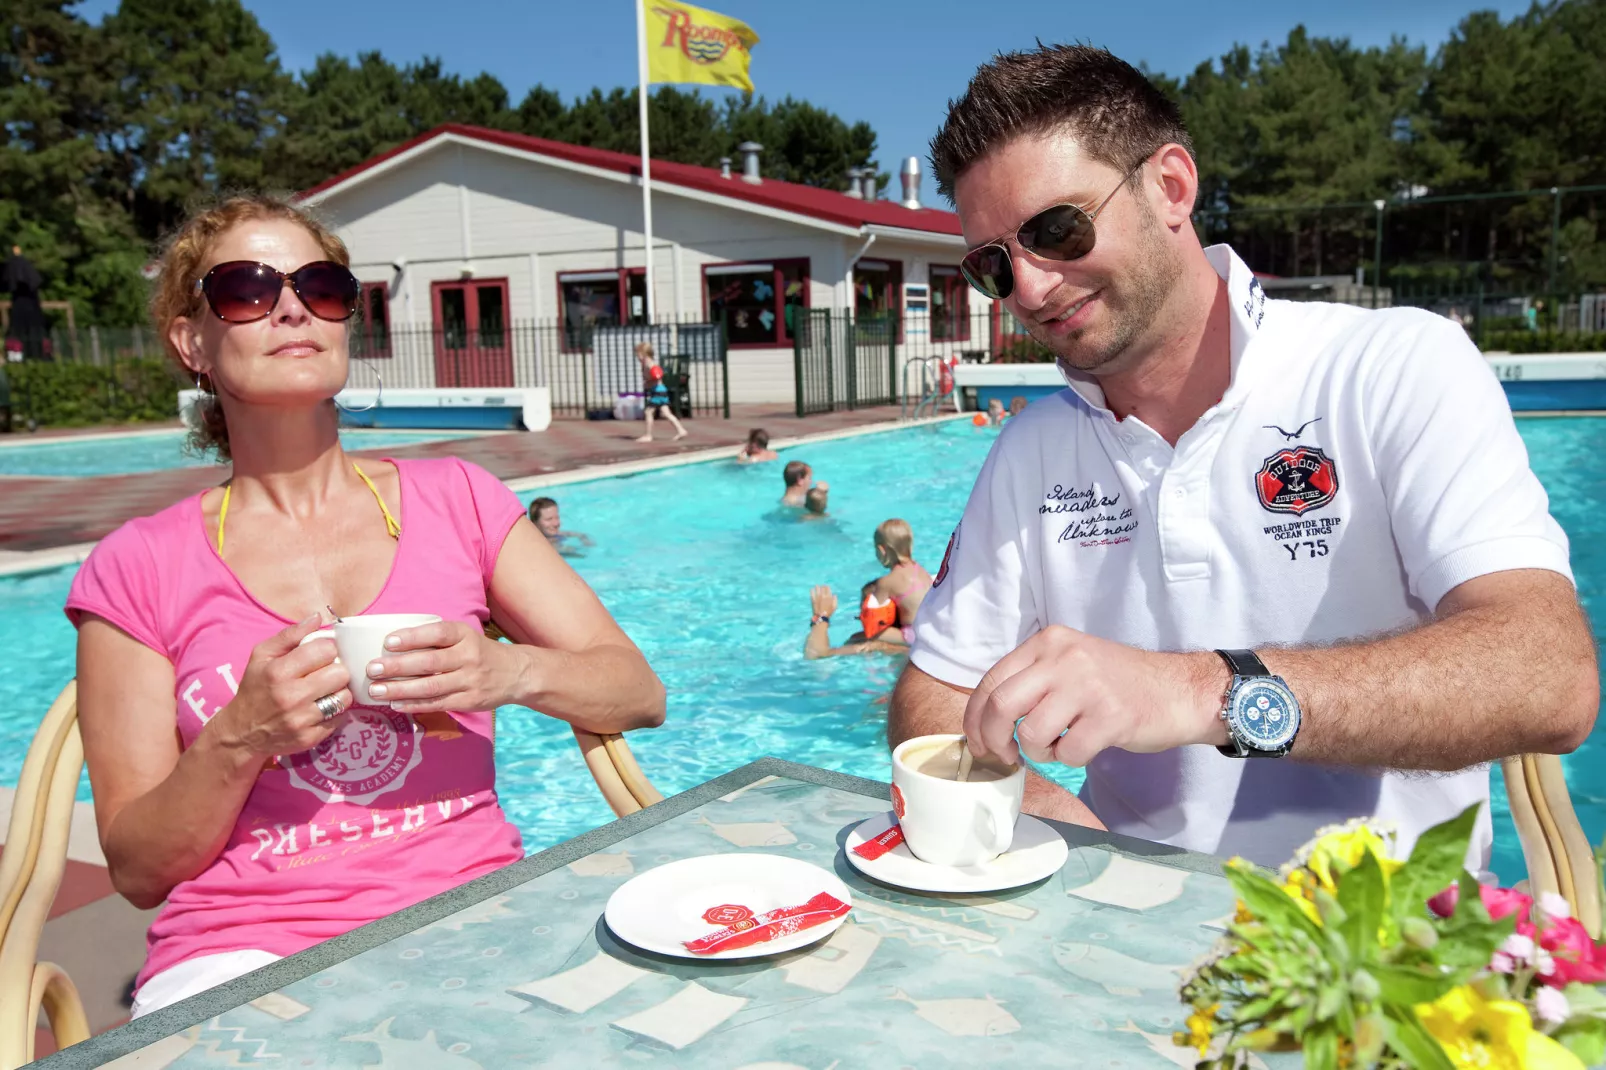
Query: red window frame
point(621, 318)
point(783, 337)
point(947, 280)
point(367, 348)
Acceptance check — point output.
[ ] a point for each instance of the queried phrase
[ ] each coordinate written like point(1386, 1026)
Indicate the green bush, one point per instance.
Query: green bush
point(62, 394)
point(1022, 349)
point(1525, 341)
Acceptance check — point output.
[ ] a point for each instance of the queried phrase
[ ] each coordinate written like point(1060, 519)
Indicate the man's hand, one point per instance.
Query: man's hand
point(1065, 696)
point(822, 601)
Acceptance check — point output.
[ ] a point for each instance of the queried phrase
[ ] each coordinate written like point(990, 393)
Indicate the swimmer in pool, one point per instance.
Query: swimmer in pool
point(995, 411)
point(888, 604)
point(822, 604)
point(1017, 405)
point(757, 448)
point(799, 480)
point(814, 503)
point(544, 515)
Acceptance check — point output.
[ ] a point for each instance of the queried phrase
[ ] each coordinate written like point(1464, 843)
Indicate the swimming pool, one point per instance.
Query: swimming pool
point(151, 451)
point(713, 585)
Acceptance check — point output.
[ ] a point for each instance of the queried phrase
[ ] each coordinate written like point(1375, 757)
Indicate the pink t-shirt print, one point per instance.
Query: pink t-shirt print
point(387, 811)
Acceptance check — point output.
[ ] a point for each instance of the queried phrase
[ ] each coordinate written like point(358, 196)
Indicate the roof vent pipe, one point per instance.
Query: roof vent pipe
point(910, 173)
point(854, 190)
point(724, 167)
point(867, 184)
point(750, 151)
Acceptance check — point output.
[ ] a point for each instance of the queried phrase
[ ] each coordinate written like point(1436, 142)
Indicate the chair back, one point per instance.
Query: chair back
point(31, 868)
point(1554, 847)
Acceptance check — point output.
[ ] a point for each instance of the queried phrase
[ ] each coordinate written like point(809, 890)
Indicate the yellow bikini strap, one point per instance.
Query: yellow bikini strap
point(392, 525)
point(223, 511)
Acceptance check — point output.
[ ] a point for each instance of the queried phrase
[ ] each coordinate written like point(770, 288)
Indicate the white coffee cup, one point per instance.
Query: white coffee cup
point(361, 640)
point(948, 823)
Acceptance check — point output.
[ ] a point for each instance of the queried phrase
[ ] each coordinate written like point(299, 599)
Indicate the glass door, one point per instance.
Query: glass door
point(473, 347)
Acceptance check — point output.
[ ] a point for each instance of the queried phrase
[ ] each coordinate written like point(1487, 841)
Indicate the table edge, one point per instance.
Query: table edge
point(169, 1021)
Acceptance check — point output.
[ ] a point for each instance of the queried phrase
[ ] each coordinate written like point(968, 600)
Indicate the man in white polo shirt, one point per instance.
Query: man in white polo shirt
point(1340, 492)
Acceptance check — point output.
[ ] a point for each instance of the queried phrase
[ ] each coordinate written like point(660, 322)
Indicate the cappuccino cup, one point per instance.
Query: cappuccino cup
point(361, 640)
point(947, 822)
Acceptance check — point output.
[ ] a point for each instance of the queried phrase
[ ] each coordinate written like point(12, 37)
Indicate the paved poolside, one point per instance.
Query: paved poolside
point(44, 514)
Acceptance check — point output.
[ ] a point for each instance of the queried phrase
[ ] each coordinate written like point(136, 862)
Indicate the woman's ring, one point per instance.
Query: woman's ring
point(329, 705)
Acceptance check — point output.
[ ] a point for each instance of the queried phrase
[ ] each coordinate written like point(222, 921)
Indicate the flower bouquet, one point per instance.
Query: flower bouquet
point(1358, 959)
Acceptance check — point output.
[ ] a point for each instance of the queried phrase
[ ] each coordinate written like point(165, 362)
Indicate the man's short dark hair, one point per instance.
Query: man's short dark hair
point(794, 473)
point(1118, 115)
point(758, 437)
point(540, 504)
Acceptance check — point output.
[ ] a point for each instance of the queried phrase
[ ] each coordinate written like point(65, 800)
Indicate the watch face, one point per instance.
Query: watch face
point(1264, 714)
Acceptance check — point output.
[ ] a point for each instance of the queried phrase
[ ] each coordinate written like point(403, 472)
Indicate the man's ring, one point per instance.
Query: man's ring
point(329, 705)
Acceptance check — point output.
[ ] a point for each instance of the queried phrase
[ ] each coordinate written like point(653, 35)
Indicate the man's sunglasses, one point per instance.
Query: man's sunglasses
point(244, 291)
point(1059, 232)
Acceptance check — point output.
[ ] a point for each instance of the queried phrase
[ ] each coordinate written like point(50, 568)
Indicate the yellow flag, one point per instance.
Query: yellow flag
point(692, 44)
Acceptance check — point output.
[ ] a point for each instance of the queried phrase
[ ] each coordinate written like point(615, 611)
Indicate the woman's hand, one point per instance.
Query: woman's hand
point(448, 666)
point(822, 600)
point(273, 713)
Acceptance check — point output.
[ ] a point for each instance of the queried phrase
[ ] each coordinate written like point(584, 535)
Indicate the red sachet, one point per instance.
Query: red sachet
point(872, 849)
point(767, 926)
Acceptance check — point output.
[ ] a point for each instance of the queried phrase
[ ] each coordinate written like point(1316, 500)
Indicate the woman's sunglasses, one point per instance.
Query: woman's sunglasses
point(1059, 232)
point(244, 291)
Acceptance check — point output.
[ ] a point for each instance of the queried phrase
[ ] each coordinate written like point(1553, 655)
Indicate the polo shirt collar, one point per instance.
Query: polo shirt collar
point(1246, 304)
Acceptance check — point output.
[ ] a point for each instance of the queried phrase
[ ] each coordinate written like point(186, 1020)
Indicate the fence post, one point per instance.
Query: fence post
point(725, 365)
point(892, 348)
point(1555, 229)
point(1377, 255)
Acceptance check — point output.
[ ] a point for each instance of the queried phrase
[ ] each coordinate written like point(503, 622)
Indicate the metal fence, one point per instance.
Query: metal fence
point(843, 363)
point(586, 366)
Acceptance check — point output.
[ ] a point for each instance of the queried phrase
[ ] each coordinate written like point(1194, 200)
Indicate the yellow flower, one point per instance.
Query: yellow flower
point(1241, 915)
point(1299, 886)
point(1342, 849)
point(1201, 1029)
point(1491, 1034)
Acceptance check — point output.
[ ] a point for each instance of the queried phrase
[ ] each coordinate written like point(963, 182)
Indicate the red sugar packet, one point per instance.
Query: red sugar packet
point(872, 849)
point(782, 921)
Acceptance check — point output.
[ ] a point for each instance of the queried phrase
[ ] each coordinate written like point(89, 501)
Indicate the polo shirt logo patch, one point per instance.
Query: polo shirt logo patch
point(1296, 480)
point(947, 555)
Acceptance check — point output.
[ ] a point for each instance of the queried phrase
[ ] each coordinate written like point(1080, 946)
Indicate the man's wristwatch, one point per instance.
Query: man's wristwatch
point(1260, 710)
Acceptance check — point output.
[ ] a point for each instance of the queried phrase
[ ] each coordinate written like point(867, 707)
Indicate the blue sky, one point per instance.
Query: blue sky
point(892, 64)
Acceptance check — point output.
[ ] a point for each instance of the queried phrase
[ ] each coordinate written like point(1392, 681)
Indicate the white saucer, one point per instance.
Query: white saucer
point(1037, 852)
point(663, 907)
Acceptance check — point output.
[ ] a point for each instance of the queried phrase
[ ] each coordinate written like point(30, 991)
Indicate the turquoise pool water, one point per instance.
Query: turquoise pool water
point(713, 584)
point(157, 450)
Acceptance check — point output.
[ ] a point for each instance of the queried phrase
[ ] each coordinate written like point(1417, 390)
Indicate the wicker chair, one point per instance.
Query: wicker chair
point(35, 858)
point(1554, 848)
point(30, 872)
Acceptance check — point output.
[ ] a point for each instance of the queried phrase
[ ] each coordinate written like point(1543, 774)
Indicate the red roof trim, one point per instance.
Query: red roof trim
point(828, 205)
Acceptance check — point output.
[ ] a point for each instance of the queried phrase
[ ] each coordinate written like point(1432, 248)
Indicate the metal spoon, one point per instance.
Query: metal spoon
point(965, 760)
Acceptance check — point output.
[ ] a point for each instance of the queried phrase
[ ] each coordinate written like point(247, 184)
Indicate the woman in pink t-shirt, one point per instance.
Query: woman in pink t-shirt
point(233, 777)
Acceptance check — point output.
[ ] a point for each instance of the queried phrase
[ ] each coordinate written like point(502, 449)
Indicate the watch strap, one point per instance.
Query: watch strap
point(1244, 663)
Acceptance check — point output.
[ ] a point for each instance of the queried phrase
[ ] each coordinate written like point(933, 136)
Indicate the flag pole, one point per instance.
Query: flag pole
point(646, 161)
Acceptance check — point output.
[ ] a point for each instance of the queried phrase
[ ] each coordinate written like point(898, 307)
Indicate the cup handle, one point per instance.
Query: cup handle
point(1003, 826)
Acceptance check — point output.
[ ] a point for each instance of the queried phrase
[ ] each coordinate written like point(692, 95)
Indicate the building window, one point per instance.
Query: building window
point(759, 302)
point(877, 288)
point(372, 339)
point(950, 305)
point(591, 299)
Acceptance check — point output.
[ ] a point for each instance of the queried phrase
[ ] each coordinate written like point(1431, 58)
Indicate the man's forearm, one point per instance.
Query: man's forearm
point(1484, 682)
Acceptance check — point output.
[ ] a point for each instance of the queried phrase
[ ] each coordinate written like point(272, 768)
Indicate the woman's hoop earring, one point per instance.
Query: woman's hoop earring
point(198, 387)
point(379, 394)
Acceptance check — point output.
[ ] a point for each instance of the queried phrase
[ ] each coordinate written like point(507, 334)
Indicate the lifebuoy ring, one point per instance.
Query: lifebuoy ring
point(945, 375)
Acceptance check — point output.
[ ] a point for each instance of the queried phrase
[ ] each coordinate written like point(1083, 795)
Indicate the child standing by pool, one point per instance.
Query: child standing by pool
point(657, 391)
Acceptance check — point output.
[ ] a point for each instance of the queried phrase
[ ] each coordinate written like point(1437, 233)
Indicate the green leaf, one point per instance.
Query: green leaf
point(1361, 892)
point(1585, 1039)
point(1585, 1000)
point(1412, 1042)
point(1321, 1050)
point(1268, 902)
point(1436, 862)
point(1403, 986)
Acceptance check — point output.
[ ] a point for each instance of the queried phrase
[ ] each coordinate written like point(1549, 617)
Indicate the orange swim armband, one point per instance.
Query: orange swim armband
point(876, 617)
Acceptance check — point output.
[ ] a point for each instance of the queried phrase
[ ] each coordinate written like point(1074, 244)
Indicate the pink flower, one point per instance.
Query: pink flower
point(1550, 1006)
point(1500, 902)
point(1574, 956)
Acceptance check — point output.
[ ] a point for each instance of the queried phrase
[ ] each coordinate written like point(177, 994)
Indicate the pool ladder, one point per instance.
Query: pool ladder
point(928, 387)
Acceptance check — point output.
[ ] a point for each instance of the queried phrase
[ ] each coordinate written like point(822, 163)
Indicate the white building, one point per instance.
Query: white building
point(469, 233)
